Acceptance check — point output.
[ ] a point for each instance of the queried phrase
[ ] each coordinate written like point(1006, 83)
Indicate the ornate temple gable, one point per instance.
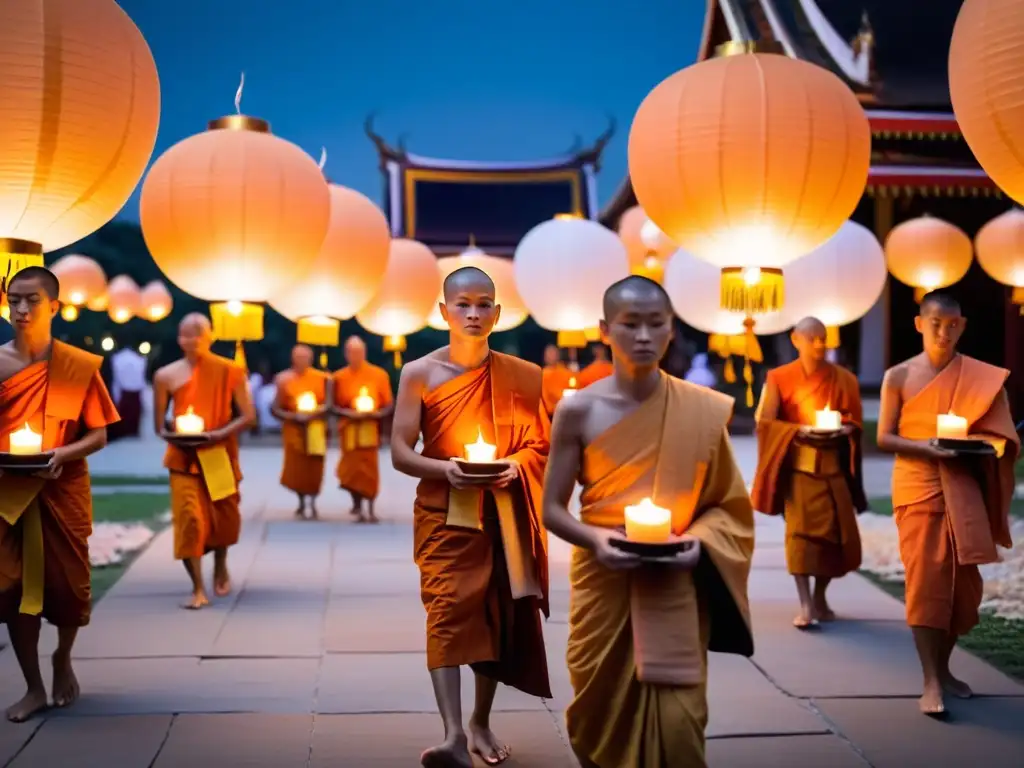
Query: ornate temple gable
point(445, 204)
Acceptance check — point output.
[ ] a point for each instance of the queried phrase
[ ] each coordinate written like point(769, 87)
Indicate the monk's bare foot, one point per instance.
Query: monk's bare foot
point(452, 754)
point(65, 684)
point(931, 702)
point(30, 704)
point(955, 687)
point(356, 512)
point(372, 518)
point(822, 611)
point(199, 600)
point(485, 745)
point(313, 514)
point(222, 585)
point(806, 618)
point(301, 512)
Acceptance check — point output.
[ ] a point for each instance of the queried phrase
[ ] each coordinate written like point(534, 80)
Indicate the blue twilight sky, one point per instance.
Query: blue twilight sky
point(483, 80)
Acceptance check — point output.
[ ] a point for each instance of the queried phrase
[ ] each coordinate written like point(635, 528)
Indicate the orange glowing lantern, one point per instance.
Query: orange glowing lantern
point(346, 275)
point(156, 302)
point(927, 254)
point(750, 161)
point(124, 300)
point(403, 302)
point(80, 100)
point(235, 216)
point(646, 245)
point(513, 312)
point(986, 56)
point(81, 280)
point(999, 246)
point(99, 304)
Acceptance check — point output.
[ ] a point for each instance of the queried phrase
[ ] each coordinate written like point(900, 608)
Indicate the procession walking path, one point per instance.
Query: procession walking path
point(317, 659)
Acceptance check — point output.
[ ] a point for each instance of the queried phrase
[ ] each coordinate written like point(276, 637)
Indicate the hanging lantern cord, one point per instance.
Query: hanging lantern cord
point(240, 355)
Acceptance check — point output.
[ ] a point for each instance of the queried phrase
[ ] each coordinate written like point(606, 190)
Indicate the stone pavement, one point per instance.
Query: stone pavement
point(317, 660)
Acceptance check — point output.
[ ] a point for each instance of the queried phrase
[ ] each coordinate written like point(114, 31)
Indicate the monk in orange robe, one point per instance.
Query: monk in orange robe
point(204, 477)
point(556, 378)
point(812, 478)
point(599, 368)
point(303, 432)
point(56, 391)
point(479, 544)
point(359, 426)
point(951, 504)
point(639, 632)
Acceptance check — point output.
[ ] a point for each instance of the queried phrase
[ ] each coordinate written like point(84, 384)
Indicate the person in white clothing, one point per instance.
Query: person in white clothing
point(700, 373)
point(128, 371)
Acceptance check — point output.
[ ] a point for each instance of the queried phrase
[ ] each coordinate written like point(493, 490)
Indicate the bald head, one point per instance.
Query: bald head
point(939, 302)
point(810, 327)
point(637, 323)
point(631, 291)
point(195, 334)
point(41, 279)
point(355, 351)
point(551, 355)
point(809, 337)
point(467, 280)
point(469, 305)
point(302, 357)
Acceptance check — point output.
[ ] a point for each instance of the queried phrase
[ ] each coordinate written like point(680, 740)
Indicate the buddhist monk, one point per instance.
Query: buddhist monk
point(556, 378)
point(639, 631)
point(479, 545)
point(812, 478)
point(951, 506)
point(599, 368)
point(204, 478)
point(303, 427)
point(362, 397)
point(56, 391)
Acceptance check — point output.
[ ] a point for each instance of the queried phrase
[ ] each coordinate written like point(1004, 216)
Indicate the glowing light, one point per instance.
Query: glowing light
point(107, 344)
point(145, 348)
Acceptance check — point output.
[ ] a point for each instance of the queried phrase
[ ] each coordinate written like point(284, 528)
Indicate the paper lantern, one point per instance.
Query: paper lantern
point(839, 282)
point(408, 292)
point(750, 161)
point(1000, 249)
point(346, 274)
point(79, 109)
point(124, 300)
point(156, 302)
point(986, 57)
point(235, 216)
point(562, 269)
point(513, 312)
point(81, 279)
point(927, 254)
point(643, 238)
point(99, 304)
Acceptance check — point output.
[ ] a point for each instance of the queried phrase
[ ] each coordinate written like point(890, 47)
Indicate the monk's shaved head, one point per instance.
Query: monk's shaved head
point(810, 327)
point(941, 302)
point(630, 290)
point(354, 342)
point(355, 350)
point(551, 354)
point(468, 279)
point(810, 337)
point(195, 334)
point(941, 323)
point(195, 321)
point(44, 278)
point(302, 356)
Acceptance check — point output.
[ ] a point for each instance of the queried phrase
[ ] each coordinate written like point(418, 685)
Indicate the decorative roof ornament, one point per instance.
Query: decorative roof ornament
point(863, 47)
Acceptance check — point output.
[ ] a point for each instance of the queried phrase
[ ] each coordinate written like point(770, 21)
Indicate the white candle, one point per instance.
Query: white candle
point(25, 442)
point(951, 427)
point(306, 403)
point(828, 419)
point(648, 523)
point(571, 389)
point(189, 424)
point(480, 452)
point(364, 403)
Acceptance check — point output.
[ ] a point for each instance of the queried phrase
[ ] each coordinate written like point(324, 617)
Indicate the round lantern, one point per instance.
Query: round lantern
point(513, 313)
point(927, 254)
point(986, 56)
point(643, 238)
point(99, 304)
point(124, 300)
point(80, 100)
point(348, 271)
point(839, 282)
point(750, 161)
point(1000, 249)
point(235, 216)
point(155, 302)
point(562, 268)
point(406, 295)
point(81, 280)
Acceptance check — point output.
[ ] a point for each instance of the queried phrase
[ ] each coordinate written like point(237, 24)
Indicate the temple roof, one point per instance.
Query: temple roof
point(446, 204)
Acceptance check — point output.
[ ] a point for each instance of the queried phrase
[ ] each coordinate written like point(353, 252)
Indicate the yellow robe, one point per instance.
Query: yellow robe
point(638, 640)
point(303, 469)
point(359, 467)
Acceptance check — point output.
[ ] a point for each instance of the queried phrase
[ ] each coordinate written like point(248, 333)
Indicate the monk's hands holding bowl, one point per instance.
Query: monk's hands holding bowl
point(937, 453)
point(687, 559)
point(459, 479)
point(608, 554)
point(54, 467)
point(508, 475)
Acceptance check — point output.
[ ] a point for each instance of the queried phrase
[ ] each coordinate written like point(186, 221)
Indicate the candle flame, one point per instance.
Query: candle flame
point(26, 430)
point(479, 437)
point(364, 391)
point(238, 95)
point(190, 411)
point(572, 382)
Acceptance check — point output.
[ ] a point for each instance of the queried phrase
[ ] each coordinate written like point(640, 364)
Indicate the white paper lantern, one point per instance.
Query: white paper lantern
point(513, 312)
point(563, 267)
point(406, 296)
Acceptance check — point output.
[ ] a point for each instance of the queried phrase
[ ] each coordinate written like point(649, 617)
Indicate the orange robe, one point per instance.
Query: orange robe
point(817, 488)
point(59, 400)
point(638, 639)
point(484, 586)
point(304, 444)
point(202, 523)
point(359, 467)
point(951, 514)
point(554, 379)
point(597, 370)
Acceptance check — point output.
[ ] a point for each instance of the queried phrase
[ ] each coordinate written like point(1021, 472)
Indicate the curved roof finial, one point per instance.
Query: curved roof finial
point(385, 150)
point(592, 154)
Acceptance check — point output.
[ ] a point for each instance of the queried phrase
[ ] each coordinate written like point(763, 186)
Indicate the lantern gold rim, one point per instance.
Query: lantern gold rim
point(239, 123)
point(740, 47)
point(16, 247)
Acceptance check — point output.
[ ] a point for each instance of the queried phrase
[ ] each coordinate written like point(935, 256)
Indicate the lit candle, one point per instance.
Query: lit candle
point(571, 389)
point(25, 442)
point(480, 452)
point(364, 403)
point(189, 424)
point(951, 427)
point(828, 420)
point(648, 523)
point(306, 403)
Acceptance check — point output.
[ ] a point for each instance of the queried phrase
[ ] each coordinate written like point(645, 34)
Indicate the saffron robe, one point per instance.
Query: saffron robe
point(597, 370)
point(951, 514)
point(60, 400)
point(304, 444)
point(818, 488)
point(638, 639)
point(554, 379)
point(202, 524)
point(484, 589)
point(359, 468)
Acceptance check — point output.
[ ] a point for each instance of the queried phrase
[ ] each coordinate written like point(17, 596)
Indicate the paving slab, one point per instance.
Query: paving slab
point(96, 742)
point(852, 597)
point(250, 740)
point(784, 752)
point(14, 737)
point(375, 624)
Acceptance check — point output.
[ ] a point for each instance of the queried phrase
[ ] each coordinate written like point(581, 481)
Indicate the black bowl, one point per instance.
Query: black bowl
point(647, 550)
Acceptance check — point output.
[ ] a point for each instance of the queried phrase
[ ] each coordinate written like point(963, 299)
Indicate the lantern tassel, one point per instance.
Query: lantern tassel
point(729, 373)
point(397, 359)
point(748, 291)
point(832, 337)
point(240, 355)
point(751, 350)
point(323, 359)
